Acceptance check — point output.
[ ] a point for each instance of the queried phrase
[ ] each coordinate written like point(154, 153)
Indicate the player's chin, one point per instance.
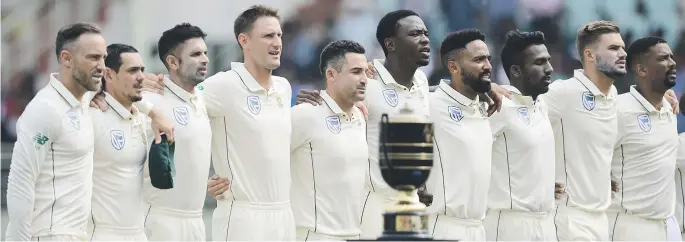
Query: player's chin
point(136, 97)
point(273, 64)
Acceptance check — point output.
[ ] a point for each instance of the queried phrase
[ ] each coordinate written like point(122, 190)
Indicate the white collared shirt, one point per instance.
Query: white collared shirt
point(522, 156)
point(386, 96)
point(192, 156)
point(584, 124)
point(329, 162)
point(251, 134)
point(121, 145)
point(50, 180)
point(680, 182)
point(462, 155)
point(645, 157)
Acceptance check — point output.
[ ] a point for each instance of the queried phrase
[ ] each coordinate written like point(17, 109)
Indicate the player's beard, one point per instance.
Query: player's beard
point(85, 79)
point(475, 82)
point(609, 69)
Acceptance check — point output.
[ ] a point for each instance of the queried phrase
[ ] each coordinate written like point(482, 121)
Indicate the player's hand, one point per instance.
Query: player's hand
point(216, 186)
point(614, 188)
point(308, 96)
point(494, 98)
point(371, 72)
point(673, 100)
point(360, 105)
point(160, 125)
point(99, 102)
point(153, 83)
point(558, 190)
point(424, 197)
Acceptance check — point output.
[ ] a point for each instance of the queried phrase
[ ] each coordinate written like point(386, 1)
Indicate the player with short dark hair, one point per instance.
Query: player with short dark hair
point(463, 139)
point(646, 147)
point(121, 143)
point(521, 197)
point(329, 151)
point(176, 214)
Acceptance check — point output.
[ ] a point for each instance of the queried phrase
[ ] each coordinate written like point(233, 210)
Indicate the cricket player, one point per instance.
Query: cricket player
point(646, 146)
point(460, 177)
point(50, 182)
point(176, 214)
point(521, 196)
point(121, 145)
point(329, 151)
point(582, 110)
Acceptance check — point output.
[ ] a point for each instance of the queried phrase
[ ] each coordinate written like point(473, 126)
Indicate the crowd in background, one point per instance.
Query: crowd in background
point(317, 23)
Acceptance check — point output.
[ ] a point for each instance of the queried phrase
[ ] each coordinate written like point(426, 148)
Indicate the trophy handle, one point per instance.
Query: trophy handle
point(384, 139)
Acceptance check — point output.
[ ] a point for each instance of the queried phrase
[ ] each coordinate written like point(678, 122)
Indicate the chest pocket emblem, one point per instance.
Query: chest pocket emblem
point(588, 101)
point(118, 140)
point(254, 105)
point(524, 115)
point(390, 96)
point(644, 122)
point(181, 115)
point(74, 120)
point(333, 124)
point(455, 113)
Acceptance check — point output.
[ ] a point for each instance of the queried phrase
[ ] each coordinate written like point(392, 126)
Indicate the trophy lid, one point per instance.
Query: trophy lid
point(408, 115)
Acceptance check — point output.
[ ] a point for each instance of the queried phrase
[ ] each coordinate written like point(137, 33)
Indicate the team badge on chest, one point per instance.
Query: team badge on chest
point(118, 140)
point(390, 96)
point(524, 115)
point(74, 120)
point(455, 113)
point(644, 122)
point(333, 124)
point(254, 105)
point(588, 101)
point(181, 115)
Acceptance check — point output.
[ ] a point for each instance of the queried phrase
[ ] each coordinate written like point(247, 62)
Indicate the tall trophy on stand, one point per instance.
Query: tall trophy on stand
point(406, 159)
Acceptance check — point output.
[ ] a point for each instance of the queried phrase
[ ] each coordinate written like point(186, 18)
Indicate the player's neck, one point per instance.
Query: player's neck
point(72, 85)
point(603, 82)
point(460, 87)
point(654, 97)
point(261, 74)
point(400, 70)
point(518, 84)
point(123, 100)
point(183, 84)
point(345, 104)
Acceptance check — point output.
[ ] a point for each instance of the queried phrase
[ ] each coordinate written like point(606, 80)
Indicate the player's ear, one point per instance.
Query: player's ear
point(331, 73)
point(109, 73)
point(242, 40)
point(588, 55)
point(640, 70)
point(515, 70)
point(389, 44)
point(172, 62)
point(66, 58)
point(452, 67)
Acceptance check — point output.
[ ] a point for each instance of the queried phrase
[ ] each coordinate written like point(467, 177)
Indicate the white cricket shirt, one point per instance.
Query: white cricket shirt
point(386, 96)
point(680, 182)
point(51, 174)
point(462, 155)
point(329, 161)
point(250, 134)
point(645, 157)
point(120, 153)
point(192, 154)
point(584, 124)
point(522, 156)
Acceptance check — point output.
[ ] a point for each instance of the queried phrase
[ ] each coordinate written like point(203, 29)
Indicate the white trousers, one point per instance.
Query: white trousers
point(240, 221)
point(574, 224)
point(372, 216)
point(58, 238)
point(99, 232)
point(450, 228)
point(304, 234)
point(165, 224)
point(508, 225)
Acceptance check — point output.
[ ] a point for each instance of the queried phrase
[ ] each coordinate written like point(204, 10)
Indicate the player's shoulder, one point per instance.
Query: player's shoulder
point(281, 81)
point(303, 112)
point(153, 97)
point(421, 76)
point(45, 104)
point(223, 77)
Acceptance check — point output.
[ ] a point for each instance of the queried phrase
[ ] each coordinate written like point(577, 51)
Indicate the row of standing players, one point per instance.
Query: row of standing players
point(239, 121)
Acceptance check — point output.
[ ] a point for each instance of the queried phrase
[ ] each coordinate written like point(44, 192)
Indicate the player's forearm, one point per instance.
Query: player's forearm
point(20, 196)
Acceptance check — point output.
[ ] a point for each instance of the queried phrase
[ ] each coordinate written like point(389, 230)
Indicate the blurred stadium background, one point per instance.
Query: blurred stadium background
point(29, 28)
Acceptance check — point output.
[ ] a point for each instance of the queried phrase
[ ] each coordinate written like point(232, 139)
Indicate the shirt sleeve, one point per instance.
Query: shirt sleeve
point(215, 91)
point(34, 138)
point(617, 157)
point(680, 160)
point(498, 120)
point(555, 99)
point(301, 125)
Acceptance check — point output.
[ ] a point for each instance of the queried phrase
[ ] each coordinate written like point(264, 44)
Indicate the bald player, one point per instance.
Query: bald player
point(329, 150)
point(521, 199)
point(646, 146)
point(460, 176)
point(176, 214)
point(121, 145)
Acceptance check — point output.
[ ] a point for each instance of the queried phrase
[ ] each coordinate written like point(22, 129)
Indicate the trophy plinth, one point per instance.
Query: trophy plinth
point(406, 159)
